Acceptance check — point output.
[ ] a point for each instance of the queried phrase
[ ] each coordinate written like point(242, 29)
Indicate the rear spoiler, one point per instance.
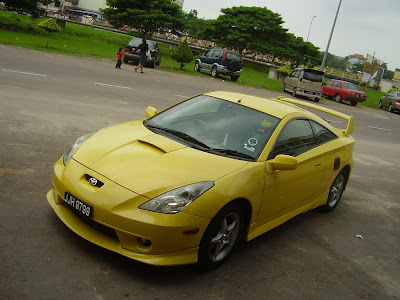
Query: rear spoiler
point(350, 119)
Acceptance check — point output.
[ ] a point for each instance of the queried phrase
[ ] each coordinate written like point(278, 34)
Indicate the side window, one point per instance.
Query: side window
point(392, 94)
point(218, 54)
point(336, 84)
point(322, 134)
point(210, 53)
point(296, 137)
point(292, 74)
point(329, 83)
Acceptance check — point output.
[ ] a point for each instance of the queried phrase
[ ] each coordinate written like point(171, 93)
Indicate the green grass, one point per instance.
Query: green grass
point(79, 40)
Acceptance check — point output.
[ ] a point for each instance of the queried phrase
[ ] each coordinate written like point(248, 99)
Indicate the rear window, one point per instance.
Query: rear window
point(313, 76)
point(136, 42)
point(232, 56)
point(351, 86)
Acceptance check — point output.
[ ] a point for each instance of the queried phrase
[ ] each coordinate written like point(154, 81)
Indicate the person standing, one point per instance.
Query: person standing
point(119, 58)
point(143, 48)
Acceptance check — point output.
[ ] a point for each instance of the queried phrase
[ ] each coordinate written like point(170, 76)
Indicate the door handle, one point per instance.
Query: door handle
point(318, 165)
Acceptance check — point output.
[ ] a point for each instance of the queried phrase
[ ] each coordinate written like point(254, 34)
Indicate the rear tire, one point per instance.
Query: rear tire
point(234, 78)
point(284, 88)
point(221, 236)
point(390, 108)
point(126, 60)
point(214, 72)
point(317, 99)
point(338, 98)
point(335, 192)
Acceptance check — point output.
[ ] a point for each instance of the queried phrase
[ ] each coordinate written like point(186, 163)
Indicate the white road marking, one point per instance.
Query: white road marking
point(181, 96)
point(379, 116)
point(110, 85)
point(26, 73)
point(379, 128)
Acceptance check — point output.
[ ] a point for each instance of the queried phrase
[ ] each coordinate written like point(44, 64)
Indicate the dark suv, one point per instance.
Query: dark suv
point(132, 52)
point(220, 61)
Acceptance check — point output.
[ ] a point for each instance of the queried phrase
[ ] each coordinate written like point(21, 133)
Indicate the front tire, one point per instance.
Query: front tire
point(335, 192)
point(380, 103)
point(284, 88)
point(294, 93)
point(390, 108)
point(353, 103)
point(197, 66)
point(221, 236)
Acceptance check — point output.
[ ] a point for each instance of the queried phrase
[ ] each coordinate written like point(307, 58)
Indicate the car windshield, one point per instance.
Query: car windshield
point(216, 126)
point(351, 86)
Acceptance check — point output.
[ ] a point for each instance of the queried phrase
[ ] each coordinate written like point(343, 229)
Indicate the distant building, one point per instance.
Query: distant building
point(356, 59)
point(396, 76)
point(179, 2)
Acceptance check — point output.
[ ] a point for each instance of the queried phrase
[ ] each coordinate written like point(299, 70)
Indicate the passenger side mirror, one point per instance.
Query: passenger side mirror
point(282, 162)
point(151, 111)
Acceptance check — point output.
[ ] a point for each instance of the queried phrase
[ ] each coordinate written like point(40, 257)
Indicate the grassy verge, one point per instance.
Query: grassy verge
point(79, 40)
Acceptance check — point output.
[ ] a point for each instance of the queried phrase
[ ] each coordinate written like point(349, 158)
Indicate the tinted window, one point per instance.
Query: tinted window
point(232, 56)
point(351, 86)
point(322, 134)
point(316, 77)
point(228, 128)
point(217, 54)
point(330, 83)
point(210, 53)
point(296, 137)
point(337, 84)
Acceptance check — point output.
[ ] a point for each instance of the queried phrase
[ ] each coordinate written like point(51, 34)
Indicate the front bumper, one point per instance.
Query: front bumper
point(117, 225)
point(356, 99)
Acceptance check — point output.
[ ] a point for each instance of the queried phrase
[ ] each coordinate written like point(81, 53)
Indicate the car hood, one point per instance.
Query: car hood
point(147, 163)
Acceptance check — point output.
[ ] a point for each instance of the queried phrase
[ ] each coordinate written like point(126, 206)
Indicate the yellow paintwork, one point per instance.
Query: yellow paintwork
point(136, 165)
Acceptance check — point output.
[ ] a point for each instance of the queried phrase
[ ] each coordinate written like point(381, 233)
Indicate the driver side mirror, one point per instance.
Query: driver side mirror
point(151, 111)
point(281, 162)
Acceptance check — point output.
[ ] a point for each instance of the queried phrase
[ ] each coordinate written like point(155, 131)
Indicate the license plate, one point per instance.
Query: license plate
point(78, 206)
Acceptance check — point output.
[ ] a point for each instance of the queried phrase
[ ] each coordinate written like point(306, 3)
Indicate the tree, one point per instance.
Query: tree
point(50, 26)
point(182, 54)
point(245, 27)
point(146, 16)
point(193, 25)
point(27, 6)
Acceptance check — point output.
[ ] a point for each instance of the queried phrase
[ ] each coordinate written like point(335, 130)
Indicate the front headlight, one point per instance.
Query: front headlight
point(78, 142)
point(174, 201)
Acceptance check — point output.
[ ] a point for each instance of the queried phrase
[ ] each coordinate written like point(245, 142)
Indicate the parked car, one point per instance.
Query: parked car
point(304, 82)
point(342, 90)
point(132, 52)
point(220, 61)
point(187, 184)
point(391, 101)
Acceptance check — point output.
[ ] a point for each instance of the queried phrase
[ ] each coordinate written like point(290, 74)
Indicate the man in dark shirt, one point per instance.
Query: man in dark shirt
point(143, 47)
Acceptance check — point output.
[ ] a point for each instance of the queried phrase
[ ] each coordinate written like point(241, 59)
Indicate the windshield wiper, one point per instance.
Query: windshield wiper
point(231, 153)
point(179, 134)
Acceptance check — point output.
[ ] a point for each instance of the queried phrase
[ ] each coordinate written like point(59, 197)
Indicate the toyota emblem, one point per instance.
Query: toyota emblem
point(93, 181)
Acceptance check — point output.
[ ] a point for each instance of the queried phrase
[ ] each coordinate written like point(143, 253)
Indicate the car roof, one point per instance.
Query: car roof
point(224, 50)
point(273, 107)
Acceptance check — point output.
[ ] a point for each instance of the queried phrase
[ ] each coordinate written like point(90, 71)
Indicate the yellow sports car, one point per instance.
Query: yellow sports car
point(187, 184)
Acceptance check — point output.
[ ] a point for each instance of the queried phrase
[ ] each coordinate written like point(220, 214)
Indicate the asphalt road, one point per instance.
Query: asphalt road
point(48, 100)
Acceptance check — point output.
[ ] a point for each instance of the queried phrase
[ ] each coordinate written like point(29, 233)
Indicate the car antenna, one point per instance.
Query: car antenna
point(240, 100)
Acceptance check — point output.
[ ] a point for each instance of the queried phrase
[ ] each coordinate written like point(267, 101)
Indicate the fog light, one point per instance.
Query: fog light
point(144, 242)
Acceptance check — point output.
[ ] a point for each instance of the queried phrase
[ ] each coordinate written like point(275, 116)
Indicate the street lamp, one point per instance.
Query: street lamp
point(310, 27)
point(330, 37)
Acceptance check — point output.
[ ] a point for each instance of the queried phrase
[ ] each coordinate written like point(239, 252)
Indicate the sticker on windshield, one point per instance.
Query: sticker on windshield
point(252, 141)
point(266, 124)
point(252, 149)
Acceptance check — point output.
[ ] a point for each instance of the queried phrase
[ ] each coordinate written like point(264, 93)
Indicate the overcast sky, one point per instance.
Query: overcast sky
point(363, 26)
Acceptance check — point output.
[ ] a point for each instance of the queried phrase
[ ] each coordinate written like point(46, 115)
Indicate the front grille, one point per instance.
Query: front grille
point(97, 226)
